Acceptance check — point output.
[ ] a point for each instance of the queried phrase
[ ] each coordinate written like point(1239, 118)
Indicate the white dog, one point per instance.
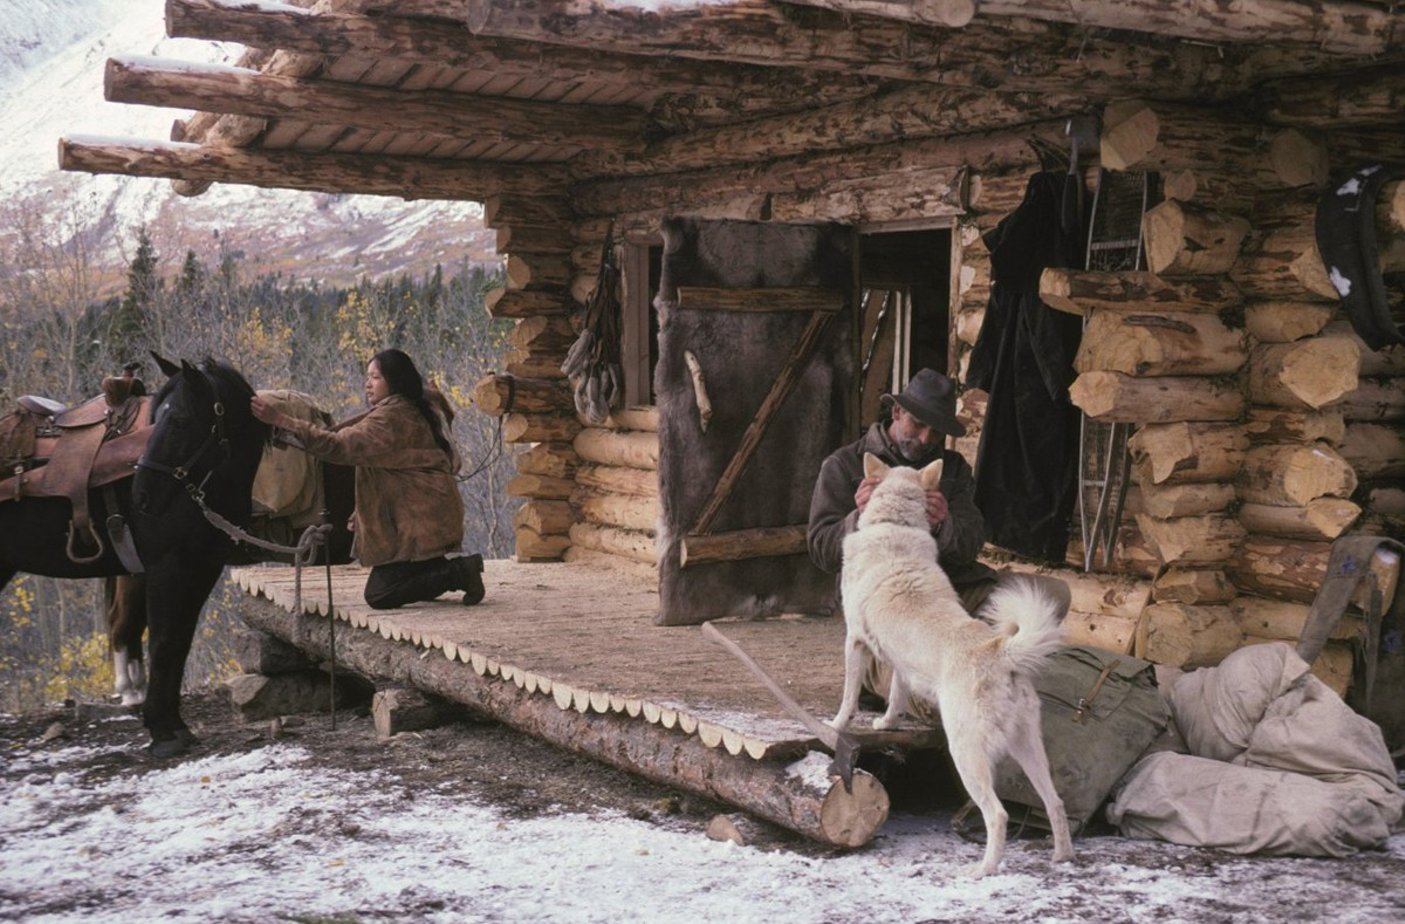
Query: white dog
point(900, 608)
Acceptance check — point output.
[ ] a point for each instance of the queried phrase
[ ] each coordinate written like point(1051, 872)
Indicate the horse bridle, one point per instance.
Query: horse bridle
point(216, 437)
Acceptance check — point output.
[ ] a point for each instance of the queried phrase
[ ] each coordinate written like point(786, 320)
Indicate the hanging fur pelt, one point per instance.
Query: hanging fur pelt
point(593, 363)
point(743, 352)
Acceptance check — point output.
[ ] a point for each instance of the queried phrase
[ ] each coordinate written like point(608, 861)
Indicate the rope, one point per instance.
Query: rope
point(312, 538)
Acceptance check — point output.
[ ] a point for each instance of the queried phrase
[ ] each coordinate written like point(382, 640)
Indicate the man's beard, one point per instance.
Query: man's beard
point(915, 452)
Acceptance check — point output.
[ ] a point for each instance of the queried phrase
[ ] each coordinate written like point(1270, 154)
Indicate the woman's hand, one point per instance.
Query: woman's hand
point(267, 413)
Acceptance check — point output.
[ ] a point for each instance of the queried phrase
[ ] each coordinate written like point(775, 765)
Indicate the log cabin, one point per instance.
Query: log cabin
point(738, 223)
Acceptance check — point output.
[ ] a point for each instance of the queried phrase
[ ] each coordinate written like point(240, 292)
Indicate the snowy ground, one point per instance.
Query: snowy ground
point(474, 823)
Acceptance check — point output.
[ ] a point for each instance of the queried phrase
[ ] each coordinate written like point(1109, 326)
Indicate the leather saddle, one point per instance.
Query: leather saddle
point(48, 449)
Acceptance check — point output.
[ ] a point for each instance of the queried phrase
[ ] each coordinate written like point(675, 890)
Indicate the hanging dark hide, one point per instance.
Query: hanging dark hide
point(1027, 463)
point(740, 353)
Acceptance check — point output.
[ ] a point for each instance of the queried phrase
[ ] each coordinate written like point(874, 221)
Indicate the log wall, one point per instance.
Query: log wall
point(1267, 428)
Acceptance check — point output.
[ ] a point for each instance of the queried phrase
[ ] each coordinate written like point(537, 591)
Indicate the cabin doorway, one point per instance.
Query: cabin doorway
point(905, 311)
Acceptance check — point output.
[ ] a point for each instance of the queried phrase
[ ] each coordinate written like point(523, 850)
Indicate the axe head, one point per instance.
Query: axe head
point(846, 757)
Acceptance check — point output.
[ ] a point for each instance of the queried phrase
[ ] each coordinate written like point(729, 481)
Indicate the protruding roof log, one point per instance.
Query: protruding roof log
point(929, 12)
point(405, 177)
point(1337, 26)
point(909, 112)
point(335, 32)
point(461, 116)
point(987, 54)
point(1375, 96)
point(826, 186)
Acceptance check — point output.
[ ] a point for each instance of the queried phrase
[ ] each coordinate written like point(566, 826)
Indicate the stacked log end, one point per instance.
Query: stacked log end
point(1244, 391)
point(615, 495)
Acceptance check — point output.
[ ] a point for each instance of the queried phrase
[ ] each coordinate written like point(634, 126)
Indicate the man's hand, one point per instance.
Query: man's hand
point(864, 492)
point(937, 509)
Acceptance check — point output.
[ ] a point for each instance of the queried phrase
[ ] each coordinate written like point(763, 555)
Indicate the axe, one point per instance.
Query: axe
point(844, 745)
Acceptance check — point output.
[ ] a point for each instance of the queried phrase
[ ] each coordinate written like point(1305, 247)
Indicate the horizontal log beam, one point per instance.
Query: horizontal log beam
point(739, 545)
point(1078, 291)
point(796, 298)
point(954, 13)
point(1341, 27)
point(696, 90)
point(379, 175)
point(909, 112)
point(984, 54)
point(437, 113)
point(1372, 96)
point(825, 185)
point(1119, 398)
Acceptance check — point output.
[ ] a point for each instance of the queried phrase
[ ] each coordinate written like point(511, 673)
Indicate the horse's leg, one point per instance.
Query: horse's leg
point(176, 589)
point(124, 597)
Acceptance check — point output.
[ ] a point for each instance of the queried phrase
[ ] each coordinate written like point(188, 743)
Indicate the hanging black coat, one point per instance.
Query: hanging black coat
point(1027, 463)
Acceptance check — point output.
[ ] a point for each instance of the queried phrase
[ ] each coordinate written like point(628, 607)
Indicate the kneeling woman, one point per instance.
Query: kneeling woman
point(409, 515)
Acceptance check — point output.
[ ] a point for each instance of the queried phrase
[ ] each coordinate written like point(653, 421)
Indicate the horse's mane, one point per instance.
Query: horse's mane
point(227, 378)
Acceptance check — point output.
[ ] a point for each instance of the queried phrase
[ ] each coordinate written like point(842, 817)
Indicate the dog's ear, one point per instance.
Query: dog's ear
point(873, 467)
point(931, 475)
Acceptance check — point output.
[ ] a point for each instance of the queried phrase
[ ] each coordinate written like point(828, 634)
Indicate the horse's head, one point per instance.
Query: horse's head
point(204, 442)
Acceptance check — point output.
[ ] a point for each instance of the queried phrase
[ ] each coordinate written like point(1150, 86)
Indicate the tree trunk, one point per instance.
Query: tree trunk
point(1285, 569)
point(626, 543)
point(525, 484)
point(1185, 500)
point(1293, 474)
point(539, 428)
point(1374, 400)
point(1375, 451)
point(1323, 518)
point(379, 174)
point(624, 448)
point(521, 303)
point(496, 395)
point(1080, 291)
point(545, 516)
point(1182, 240)
point(533, 546)
point(555, 460)
point(1195, 586)
point(1160, 343)
point(764, 542)
point(1186, 636)
point(611, 479)
point(1192, 540)
point(1284, 322)
point(621, 510)
point(1188, 452)
point(1112, 396)
point(405, 709)
point(1305, 374)
point(1279, 425)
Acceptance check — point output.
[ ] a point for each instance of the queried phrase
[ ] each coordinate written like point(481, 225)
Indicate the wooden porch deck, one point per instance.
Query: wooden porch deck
point(584, 636)
point(569, 652)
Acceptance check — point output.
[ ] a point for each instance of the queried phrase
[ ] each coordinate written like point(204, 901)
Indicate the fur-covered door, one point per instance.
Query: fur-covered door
point(741, 353)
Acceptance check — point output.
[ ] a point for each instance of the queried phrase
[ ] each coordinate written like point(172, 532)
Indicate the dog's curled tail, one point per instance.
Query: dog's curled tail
point(1028, 620)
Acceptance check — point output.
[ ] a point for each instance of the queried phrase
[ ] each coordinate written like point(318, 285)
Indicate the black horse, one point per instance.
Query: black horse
point(204, 450)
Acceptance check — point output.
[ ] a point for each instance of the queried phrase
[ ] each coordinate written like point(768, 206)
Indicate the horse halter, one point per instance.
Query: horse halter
point(180, 473)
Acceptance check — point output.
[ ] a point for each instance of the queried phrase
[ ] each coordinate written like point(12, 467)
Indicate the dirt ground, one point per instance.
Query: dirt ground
point(482, 760)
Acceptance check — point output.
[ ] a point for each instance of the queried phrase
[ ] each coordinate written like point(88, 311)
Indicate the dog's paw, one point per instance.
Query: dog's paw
point(883, 723)
point(977, 870)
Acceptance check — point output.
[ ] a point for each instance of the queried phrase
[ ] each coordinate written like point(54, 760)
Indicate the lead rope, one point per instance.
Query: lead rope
point(312, 538)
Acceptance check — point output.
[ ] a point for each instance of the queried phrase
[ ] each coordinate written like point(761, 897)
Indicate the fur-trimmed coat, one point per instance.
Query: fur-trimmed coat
point(407, 504)
point(834, 516)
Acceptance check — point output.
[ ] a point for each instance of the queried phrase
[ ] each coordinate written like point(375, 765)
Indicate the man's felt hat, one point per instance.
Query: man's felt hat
point(931, 398)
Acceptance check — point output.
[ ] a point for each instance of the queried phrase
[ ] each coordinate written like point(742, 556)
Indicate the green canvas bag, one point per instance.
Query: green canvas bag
point(1100, 712)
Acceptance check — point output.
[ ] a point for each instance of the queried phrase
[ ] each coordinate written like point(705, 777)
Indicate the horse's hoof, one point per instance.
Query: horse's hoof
point(180, 742)
point(167, 748)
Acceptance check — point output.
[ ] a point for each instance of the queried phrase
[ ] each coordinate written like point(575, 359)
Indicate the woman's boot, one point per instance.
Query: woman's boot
point(468, 577)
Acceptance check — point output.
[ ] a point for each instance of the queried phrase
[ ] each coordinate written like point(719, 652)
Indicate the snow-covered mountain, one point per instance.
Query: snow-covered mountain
point(52, 54)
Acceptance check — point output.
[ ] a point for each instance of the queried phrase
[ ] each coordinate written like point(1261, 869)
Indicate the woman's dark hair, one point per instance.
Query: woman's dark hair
point(404, 379)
